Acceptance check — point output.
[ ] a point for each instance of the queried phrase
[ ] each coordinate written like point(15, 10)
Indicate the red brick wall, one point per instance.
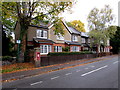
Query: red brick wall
point(50, 60)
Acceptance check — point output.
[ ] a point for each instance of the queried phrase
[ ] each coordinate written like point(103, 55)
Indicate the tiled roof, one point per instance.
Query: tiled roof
point(71, 29)
point(85, 45)
point(84, 34)
point(72, 43)
point(41, 40)
point(45, 27)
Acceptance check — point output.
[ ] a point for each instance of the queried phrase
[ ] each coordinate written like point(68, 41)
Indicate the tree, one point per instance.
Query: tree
point(99, 24)
point(8, 25)
point(7, 44)
point(28, 12)
point(77, 24)
point(115, 41)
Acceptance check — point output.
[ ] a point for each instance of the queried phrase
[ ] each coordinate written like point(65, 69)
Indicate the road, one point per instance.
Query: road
point(102, 74)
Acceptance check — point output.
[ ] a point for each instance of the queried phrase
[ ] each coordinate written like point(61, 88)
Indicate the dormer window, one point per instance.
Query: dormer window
point(41, 34)
point(59, 37)
point(74, 38)
point(88, 40)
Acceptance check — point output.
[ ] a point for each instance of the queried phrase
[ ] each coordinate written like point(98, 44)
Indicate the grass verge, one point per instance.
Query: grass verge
point(16, 67)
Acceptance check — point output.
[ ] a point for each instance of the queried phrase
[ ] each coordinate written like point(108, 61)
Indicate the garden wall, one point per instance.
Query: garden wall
point(50, 60)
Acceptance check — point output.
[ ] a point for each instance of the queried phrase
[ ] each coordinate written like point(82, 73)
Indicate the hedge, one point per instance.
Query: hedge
point(7, 58)
point(68, 53)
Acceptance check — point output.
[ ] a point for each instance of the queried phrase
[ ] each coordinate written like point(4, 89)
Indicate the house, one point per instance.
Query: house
point(105, 48)
point(85, 42)
point(43, 37)
point(70, 39)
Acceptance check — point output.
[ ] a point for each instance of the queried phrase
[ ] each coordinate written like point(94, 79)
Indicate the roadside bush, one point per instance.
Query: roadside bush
point(66, 49)
point(7, 58)
point(68, 53)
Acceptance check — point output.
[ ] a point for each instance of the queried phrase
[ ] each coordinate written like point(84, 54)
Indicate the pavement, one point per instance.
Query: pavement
point(99, 74)
point(45, 69)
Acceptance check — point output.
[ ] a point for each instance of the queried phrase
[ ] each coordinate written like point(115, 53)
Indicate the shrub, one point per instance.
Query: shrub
point(7, 58)
point(68, 53)
point(66, 49)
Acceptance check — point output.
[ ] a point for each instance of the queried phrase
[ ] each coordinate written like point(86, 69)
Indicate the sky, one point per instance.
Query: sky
point(83, 7)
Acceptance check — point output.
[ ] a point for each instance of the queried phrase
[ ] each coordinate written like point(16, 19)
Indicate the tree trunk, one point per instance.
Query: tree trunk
point(98, 48)
point(23, 38)
point(22, 49)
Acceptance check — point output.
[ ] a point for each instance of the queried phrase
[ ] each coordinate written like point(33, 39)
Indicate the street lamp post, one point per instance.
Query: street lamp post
point(18, 42)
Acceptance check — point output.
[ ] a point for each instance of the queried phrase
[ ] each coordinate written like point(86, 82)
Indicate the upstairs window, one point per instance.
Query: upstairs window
point(83, 40)
point(74, 38)
point(88, 40)
point(108, 42)
point(59, 37)
point(41, 34)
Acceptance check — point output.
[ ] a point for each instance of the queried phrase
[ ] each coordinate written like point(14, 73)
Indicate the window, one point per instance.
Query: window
point(41, 34)
point(86, 48)
point(60, 37)
point(74, 38)
point(88, 40)
point(108, 42)
point(45, 49)
point(58, 48)
point(83, 40)
point(75, 48)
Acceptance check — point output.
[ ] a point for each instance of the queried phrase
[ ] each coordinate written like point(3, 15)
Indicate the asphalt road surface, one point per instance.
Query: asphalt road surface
point(102, 74)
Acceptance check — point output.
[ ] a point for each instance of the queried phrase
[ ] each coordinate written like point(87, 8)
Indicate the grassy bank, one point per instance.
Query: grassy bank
point(16, 67)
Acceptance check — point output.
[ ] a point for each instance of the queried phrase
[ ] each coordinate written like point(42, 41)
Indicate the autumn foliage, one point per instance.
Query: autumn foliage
point(17, 67)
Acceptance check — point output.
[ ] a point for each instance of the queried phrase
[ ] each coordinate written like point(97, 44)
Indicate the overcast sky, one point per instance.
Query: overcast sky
point(82, 8)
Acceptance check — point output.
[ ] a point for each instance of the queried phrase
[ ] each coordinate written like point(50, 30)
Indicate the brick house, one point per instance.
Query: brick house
point(44, 38)
point(85, 42)
point(71, 39)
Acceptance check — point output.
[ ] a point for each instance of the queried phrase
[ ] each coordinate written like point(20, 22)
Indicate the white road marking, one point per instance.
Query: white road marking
point(94, 70)
point(36, 83)
point(15, 89)
point(92, 66)
point(115, 62)
point(55, 77)
point(78, 70)
point(68, 73)
point(86, 68)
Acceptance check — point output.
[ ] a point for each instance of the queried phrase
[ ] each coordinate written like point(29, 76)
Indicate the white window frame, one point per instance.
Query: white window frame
point(74, 38)
point(86, 48)
point(108, 42)
point(45, 49)
point(40, 35)
point(88, 40)
point(60, 37)
point(83, 40)
point(57, 48)
point(75, 48)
